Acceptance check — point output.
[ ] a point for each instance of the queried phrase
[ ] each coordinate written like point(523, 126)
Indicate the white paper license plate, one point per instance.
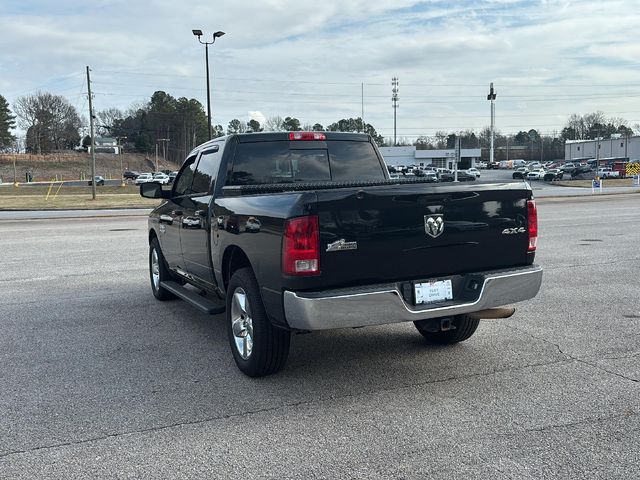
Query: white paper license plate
point(430, 292)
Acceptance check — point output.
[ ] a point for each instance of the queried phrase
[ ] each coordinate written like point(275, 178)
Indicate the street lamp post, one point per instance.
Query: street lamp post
point(198, 33)
point(492, 97)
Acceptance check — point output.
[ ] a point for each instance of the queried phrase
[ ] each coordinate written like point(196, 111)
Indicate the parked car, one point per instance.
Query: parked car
point(315, 264)
point(553, 174)
point(568, 167)
point(605, 172)
point(161, 178)
point(130, 175)
point(462, 177)
point(99, 181)
point(481, 165)
point(520, 173)
point(582, 172)
point(143, 178)
point(473, 171)
point(493, 165)
point(537, 174)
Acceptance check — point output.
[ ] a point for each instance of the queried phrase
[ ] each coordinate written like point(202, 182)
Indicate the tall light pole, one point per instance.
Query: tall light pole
point(492, 97)
point(394, 101)
point(93, 142)
point(218, 34)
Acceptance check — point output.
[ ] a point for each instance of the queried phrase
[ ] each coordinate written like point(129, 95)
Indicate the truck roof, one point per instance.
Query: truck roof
point(280, 136)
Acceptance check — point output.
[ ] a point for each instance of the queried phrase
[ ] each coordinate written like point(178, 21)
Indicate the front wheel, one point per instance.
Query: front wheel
point(258, 347)
point(465, 326)
point(158, 272)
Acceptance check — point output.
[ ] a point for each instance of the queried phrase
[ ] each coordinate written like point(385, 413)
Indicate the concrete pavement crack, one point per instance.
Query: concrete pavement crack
point(577, 359)
point(585, 421)
point(275, 408)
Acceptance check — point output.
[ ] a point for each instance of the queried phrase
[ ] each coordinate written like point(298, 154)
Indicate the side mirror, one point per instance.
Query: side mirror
point(153, 190)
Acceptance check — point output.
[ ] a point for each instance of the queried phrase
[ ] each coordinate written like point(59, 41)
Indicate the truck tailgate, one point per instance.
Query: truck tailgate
point(417, 231)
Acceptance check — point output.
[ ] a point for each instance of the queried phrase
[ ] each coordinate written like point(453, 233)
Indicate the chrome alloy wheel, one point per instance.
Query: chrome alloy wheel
point(241, 323)
point(155, 269)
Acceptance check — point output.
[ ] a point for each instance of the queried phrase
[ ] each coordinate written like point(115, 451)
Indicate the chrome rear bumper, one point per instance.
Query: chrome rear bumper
point(383, 304)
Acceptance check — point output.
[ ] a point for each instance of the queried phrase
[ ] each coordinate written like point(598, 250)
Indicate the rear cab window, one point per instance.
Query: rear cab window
point(283, 161)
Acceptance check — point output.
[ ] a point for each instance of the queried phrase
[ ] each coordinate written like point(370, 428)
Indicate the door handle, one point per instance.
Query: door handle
point(191, 222)
point(168, 219)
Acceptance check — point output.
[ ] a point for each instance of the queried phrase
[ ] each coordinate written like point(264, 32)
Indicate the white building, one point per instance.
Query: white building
point(106, 145)
point(394, 156)
point(616, 148)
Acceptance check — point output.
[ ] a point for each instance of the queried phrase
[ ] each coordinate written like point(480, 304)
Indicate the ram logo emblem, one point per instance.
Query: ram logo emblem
point(434, 225)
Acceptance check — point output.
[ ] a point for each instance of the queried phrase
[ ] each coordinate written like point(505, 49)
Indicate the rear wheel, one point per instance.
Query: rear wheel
point(465, 326)
point(258, 347)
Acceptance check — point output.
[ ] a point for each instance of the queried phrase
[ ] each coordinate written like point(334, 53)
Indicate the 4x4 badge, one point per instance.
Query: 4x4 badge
point(434, 225)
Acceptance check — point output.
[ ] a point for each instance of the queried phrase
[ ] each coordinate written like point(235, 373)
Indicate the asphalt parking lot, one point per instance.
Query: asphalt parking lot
point(100, 380)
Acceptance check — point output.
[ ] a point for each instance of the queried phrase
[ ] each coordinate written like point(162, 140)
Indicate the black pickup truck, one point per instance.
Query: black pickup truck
point(304, 231)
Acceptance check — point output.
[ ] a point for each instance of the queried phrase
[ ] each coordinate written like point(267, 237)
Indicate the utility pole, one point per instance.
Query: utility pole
point(364, 130)
point(164, 150)
point(458, 152)
point(394, 101)
point(122, 184)
point(492, 97)
point(156, 156)
point(507, 148)
point(93, 140)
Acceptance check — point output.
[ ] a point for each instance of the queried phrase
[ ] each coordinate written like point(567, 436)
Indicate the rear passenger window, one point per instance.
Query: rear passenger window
point(281, 162)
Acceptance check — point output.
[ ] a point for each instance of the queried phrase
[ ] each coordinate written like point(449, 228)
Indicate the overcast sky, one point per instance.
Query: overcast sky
point(547, 58)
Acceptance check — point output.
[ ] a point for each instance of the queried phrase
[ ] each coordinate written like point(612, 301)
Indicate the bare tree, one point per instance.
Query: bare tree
point(592, 120)
point(441, 139)
point(51, 122)
point(273, 124)
point(107, 119)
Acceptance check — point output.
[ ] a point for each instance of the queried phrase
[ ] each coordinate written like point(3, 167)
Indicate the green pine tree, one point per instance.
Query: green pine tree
point(7, 123)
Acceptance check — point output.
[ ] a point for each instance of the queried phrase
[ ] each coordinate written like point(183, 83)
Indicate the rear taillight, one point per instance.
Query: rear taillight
point(307, 136)
point(301, 246)
point(532, 213)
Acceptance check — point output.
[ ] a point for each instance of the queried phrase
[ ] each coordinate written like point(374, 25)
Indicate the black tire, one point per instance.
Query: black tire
point(164, 274)
point(465, 327)
point(269, 345)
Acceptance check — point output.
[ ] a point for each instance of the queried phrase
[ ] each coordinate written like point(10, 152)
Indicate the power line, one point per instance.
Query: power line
point(357, 84)
point(347, 95)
